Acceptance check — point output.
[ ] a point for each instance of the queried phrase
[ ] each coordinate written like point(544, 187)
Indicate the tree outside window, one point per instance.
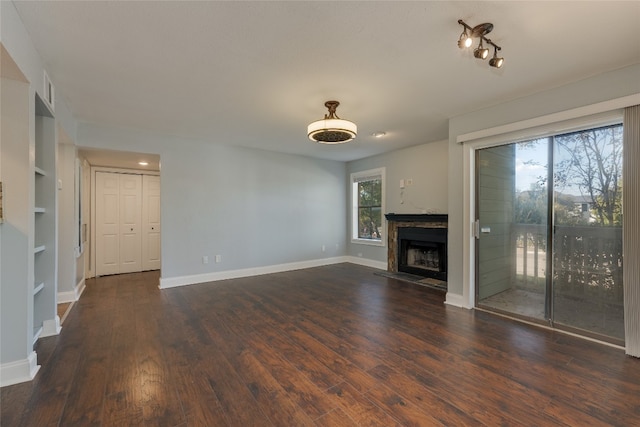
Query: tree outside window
point(370, 209)
point(367, 194)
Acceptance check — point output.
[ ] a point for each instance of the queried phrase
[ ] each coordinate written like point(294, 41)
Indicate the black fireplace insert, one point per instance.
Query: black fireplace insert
point(423, 251)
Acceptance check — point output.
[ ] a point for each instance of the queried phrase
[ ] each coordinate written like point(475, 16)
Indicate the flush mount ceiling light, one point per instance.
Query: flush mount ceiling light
point(332, 129)
point(480, 52)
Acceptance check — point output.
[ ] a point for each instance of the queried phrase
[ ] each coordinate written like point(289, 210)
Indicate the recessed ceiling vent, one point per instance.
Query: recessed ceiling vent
point(49, 92)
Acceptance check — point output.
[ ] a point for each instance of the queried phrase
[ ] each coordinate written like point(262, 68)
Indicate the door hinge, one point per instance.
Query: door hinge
point(476, 229)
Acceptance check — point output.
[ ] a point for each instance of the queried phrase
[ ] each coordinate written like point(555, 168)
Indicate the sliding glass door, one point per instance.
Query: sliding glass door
point(549, 235)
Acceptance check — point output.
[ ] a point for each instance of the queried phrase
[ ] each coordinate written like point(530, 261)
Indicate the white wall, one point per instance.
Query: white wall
point(255, 208)
point(426, 165)
point(16, 241)
point(604, 87)
point(16, 40)
point(66, 221)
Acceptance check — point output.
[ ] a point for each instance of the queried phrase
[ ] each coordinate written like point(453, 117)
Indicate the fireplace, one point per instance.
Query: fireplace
point(423, 251)
point(417, 244)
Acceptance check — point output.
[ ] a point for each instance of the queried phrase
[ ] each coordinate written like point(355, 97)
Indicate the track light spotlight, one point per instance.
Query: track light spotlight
point(496, 61)
point(465, 40)
point(480, 52)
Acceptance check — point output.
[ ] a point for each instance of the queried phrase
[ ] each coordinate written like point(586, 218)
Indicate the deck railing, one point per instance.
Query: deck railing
point(587, 260)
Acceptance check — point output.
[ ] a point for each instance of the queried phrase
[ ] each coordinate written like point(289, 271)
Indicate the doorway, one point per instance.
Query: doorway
point(549, 231)
point(134, 202)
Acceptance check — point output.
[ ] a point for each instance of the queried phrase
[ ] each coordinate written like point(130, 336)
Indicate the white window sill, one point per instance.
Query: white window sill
point(368, 242)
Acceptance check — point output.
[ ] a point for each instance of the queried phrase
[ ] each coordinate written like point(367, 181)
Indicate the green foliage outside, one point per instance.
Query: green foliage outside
point(370, 209)
point(588, 162)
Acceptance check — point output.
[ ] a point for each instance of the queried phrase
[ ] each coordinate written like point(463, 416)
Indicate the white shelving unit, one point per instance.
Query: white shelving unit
point(28, 171)
point(45, 320)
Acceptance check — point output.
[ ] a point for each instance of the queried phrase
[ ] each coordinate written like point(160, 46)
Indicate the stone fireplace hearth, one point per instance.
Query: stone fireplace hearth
point(417, 245)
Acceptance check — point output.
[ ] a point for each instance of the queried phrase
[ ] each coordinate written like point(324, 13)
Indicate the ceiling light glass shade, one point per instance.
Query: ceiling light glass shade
point(332, 131)
point(496, 62)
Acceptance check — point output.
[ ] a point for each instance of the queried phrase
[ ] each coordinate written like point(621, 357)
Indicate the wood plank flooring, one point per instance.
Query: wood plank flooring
point(328, 346)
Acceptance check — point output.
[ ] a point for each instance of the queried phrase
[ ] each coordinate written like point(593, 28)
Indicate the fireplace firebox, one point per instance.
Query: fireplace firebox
point(423, 251)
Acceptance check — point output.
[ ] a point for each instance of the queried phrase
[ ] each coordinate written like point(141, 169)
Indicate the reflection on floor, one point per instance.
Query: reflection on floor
point(412, 278)
point(593, 316)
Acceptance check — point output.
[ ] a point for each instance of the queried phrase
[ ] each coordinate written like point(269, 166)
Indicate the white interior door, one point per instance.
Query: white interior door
point(107, 223)
point(151, 222)
point(130, 223)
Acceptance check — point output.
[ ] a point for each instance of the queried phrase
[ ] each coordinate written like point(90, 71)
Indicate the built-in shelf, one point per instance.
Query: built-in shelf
point(36, 333)
point(38, 287)
point(44, 188)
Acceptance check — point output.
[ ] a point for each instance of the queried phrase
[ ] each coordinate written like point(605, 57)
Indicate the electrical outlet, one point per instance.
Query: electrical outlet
point(205, 259)
point(323, 248)
point(218, 258)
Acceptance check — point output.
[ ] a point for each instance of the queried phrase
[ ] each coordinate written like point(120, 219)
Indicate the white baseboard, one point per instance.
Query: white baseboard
point(74, 295)
point(456, 300)
point(51, 327)
point(172, 282)
point(380, 265)
point(80, 288)
point(19, 371)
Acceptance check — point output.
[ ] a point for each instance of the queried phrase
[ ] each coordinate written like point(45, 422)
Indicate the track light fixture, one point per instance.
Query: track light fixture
point(480, 52)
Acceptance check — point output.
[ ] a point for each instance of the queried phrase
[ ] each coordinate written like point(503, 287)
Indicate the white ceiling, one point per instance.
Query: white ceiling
point(256, 73)
point(120, 159)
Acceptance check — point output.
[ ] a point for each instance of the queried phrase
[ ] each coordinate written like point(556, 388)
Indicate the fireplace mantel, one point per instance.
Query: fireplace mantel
point(416, 217)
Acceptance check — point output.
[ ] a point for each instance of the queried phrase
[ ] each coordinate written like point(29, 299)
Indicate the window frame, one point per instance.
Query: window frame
point(357, 177)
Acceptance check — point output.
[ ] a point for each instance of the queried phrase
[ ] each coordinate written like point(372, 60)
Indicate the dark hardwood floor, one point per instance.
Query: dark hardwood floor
point(328, 346)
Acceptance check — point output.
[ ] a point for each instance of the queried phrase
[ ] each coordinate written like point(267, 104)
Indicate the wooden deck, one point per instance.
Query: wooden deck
point(328, 346)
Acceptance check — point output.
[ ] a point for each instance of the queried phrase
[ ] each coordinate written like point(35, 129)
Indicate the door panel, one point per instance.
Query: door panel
point(107, 228)
point(511, 206)
point(130, 223)
point(587, 237)
point(118, 218)
point(151, 223)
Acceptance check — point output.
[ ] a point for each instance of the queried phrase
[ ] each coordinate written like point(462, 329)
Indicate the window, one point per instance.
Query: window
point(367, 195)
